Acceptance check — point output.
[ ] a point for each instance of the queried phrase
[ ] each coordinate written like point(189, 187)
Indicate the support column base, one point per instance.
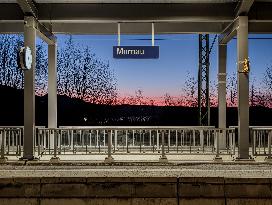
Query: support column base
point(109, 160)
point(269, 160)
point(29, 158)
point(244, 160)
point(163, 159)
point(3, 160)
point(218, 159)
point(54, 160)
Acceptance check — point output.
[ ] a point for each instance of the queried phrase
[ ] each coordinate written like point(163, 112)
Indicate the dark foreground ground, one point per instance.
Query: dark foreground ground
point(136, 184)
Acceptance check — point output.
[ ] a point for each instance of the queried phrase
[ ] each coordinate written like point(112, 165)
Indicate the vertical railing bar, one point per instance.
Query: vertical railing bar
point(115, 141)
point(39, 141)
point(8, 141)
point(127, 140)
point(133, 138)
point(162, 148)
point(140, 132)
point(177, 140)
point(99, 143)
point(150, 136)
point(3, 144)
point(158, 140)
point(169, 140)
point(269, 145)
point(55, 144)
point(104, 138)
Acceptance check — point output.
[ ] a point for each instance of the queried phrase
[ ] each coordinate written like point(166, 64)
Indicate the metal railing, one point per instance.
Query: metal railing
point(261, 141)
point(133, 140)
point(160, 140)
point(11, 141)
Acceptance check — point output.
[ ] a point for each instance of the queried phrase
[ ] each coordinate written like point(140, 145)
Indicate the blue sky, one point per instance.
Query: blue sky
point(178, 56)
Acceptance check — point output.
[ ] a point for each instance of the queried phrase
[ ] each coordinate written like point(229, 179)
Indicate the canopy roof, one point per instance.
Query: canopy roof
point(136, 16)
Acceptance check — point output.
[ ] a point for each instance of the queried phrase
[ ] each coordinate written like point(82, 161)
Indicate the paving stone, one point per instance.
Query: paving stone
point(21, 201)
point(63, 190)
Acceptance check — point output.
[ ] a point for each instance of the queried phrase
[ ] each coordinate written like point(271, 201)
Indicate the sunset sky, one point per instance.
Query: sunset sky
point(178, 57)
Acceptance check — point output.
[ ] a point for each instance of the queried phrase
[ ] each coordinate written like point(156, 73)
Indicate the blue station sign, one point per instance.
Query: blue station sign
point(136, 52)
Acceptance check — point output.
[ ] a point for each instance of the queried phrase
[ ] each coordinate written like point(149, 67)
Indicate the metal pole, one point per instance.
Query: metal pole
point(153, 34)
point(52, 88)
point(243, 88)
point(29, 89)
point(119, 34)
point(222, 63)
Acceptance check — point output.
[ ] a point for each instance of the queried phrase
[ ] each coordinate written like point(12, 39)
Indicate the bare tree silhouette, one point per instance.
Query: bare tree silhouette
point(190, 91)
point(169, 100)
point(232, 90)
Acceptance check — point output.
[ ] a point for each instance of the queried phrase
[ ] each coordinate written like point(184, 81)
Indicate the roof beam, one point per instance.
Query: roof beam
point(28, 7)
point(255, 27)
point(244, 7)
point(45, 33)
point(229, 32)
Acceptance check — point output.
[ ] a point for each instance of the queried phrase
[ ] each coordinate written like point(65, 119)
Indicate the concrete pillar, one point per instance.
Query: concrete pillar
point(52, 90)
point(243, 89)
point(222, 64)
point(29, 90)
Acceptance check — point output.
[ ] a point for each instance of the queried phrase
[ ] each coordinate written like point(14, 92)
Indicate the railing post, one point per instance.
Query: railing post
point(158, 140)
point(194, 138)
point(109, 158)
point(163, 157)
point(177, 140)
point(99, 141)
point(133, 138)
point(201, 133)
point(104, 135)
point(217, 157)
point(55, 159)
point(269, 159)
point(8, 142)
point(3, 159)
point(169, 140)
point(150, 136)
point(127, 140)
point(97, 138)
point(253, 134)
point(115, 141)
point(73, 141)
point(140, 136)
point(39, 142)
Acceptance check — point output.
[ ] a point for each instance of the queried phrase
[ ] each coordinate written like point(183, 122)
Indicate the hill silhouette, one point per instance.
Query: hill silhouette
point(73, 111)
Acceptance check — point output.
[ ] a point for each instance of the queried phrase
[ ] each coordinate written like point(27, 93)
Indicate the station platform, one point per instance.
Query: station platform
point(123, 183)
